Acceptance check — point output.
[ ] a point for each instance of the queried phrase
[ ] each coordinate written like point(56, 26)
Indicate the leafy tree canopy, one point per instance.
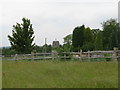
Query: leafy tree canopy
point(22, 37)
point(111, 32)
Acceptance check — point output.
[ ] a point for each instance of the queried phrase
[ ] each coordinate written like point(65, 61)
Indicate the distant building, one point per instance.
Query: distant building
point(55, 44)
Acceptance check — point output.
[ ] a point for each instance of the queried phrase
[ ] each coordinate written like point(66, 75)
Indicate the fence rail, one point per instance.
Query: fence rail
point(115, 54)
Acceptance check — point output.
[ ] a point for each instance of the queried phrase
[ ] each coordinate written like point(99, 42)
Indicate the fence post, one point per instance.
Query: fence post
point(118, 56)
point(115, 54)
point(65, 56)
point(32, 54)
point(15, 58)
point(53, 56)
point(88, 55)
point(81, 55)
point(118, 59)
point(80, 52)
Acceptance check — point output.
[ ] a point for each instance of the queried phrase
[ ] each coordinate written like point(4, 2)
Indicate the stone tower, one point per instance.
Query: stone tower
point(55, 44)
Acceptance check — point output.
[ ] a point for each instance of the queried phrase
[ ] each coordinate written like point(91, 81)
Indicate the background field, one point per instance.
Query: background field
point(57, 74)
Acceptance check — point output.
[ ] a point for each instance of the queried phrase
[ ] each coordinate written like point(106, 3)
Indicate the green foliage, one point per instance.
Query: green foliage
point(67, 47)
point(42, 49)
point(78, 37)
point(88, 40)
point(99, 41)
point(83, 38)
point(95, 39)
point(8, 51)
point(88, 46)
point(59, 50)
point(38, 49)
point(88, 35)
point(68, 39)
point(67, 43)
point(95, 32)
point(47, 48)
point(22, 37)
point(111, 34)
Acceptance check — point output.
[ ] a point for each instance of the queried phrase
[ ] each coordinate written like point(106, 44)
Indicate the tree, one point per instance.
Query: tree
point(78, 38)
point(38, 49)
point(88, 46)
point(22, 37)
point(99, 41)
point(7, 51)
point(67, 43)
point(95, 32)
point(88, 35)
point(110, 34)
point(88, 43)
point(68, 39)
point(47, 48)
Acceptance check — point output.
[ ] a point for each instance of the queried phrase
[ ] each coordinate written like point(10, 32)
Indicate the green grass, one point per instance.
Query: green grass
point(0, 73)
point(49, 74)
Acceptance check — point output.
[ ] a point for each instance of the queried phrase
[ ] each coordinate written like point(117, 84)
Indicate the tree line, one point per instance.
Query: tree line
point(96, 39)
point(83, 38)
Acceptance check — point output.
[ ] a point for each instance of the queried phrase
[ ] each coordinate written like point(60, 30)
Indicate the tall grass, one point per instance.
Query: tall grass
point(48, 74)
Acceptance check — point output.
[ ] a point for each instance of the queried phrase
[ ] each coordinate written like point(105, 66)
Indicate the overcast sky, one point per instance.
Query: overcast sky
point(54, 18)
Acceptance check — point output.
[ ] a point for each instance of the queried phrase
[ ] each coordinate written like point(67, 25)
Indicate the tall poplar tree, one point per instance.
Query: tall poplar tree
point(78, 37)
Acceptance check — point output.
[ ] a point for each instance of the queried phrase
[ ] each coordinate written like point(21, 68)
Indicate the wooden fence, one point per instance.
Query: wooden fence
point(114, 54)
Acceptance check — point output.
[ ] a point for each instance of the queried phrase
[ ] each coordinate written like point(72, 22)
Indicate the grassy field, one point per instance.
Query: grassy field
point(0, 73)
point(49, 74)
